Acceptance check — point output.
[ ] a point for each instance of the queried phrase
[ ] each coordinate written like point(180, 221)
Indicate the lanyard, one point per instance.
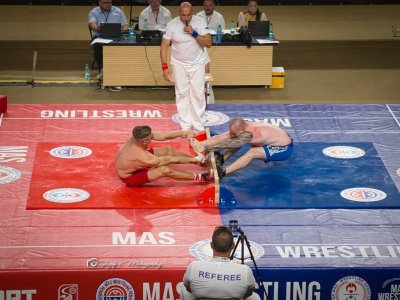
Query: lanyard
point(155, 15)
point(105, 15)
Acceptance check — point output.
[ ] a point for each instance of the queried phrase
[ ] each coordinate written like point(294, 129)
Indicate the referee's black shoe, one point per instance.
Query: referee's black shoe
point(219, 157)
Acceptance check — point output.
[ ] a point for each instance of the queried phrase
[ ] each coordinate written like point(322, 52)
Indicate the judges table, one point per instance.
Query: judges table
point(137, 63)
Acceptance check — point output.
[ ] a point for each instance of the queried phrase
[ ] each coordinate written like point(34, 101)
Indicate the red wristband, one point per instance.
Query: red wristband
point(164, 66)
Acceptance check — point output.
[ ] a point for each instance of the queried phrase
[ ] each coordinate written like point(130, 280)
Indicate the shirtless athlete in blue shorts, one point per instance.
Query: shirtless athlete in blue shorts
point(268, 143)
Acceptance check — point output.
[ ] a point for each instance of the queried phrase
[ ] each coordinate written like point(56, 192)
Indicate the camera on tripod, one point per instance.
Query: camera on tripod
point(243, 242)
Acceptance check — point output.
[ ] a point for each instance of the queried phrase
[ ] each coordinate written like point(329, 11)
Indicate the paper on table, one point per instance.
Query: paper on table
point(266, 41)
point(224, 31)
point(100, 40)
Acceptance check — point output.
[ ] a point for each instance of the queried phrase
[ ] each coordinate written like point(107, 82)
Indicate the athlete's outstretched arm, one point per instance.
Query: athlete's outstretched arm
point(235, 143)
point(223, 141)
point(163, 136)
point(200, 146)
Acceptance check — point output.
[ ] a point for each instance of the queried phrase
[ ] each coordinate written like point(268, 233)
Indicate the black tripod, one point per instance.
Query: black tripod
point(242, 239)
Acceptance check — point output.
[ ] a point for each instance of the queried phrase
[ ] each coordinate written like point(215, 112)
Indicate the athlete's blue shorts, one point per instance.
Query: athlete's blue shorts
point(278, 153)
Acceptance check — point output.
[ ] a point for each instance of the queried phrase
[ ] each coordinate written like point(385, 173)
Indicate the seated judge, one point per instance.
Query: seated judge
point(213, 19)
point(211, 16)
point(157, 16)
point(104, 13)
point(251, 14)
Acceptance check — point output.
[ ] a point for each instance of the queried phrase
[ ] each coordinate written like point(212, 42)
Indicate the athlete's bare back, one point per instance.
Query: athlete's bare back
point(267, 135)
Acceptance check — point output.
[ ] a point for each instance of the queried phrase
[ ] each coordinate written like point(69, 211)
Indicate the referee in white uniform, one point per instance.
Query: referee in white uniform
point(188, 36)
point(219, 278)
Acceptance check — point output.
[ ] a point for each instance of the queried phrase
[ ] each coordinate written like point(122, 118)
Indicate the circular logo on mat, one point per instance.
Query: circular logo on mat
point(351, 288)
point(8, 174)
point(202, 251)
point(362, 194)
point(70, 152)
point(66, 195)
point(115, 289)
point(210, 118)
point(343, 152)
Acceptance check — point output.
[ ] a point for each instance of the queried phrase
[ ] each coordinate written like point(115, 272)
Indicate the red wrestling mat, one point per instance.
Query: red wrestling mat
point(82, 175)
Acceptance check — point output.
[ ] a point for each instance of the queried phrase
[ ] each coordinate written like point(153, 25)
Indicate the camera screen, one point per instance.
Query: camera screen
point(233, 225)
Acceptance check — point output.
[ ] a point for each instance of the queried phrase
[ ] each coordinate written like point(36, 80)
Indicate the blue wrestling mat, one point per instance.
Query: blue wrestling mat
point(314, 243)
point(312, 179)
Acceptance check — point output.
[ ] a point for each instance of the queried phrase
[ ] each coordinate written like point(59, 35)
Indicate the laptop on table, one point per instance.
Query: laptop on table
point(111, 31)
point(258, 28)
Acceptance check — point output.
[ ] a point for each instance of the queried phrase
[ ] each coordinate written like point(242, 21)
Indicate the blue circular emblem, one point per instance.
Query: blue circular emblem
point(210, 118)
point(66, 195)
point(362, 194)
point(70, 152)
point(8, 174)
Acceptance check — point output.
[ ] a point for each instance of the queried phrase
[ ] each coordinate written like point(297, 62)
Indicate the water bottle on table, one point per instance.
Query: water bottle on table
point(145, 25)
point(87, 72)
point(271, 34)
point(132, 34)
point(219, 34)
point(233, 29)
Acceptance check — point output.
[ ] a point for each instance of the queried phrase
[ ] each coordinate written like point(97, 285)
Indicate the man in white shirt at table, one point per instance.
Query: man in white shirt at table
point(211, 16)
point(157, 16)
point(188, 38)
point(212, 19)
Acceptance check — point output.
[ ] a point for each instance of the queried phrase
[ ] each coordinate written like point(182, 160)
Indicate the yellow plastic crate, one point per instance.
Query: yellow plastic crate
point(278, 78)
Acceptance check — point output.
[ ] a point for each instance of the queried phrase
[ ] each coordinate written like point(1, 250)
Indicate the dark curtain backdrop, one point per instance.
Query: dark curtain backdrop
point(199, 2)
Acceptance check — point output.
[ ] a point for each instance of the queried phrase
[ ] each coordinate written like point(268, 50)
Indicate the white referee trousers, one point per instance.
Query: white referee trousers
point(189, 95)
